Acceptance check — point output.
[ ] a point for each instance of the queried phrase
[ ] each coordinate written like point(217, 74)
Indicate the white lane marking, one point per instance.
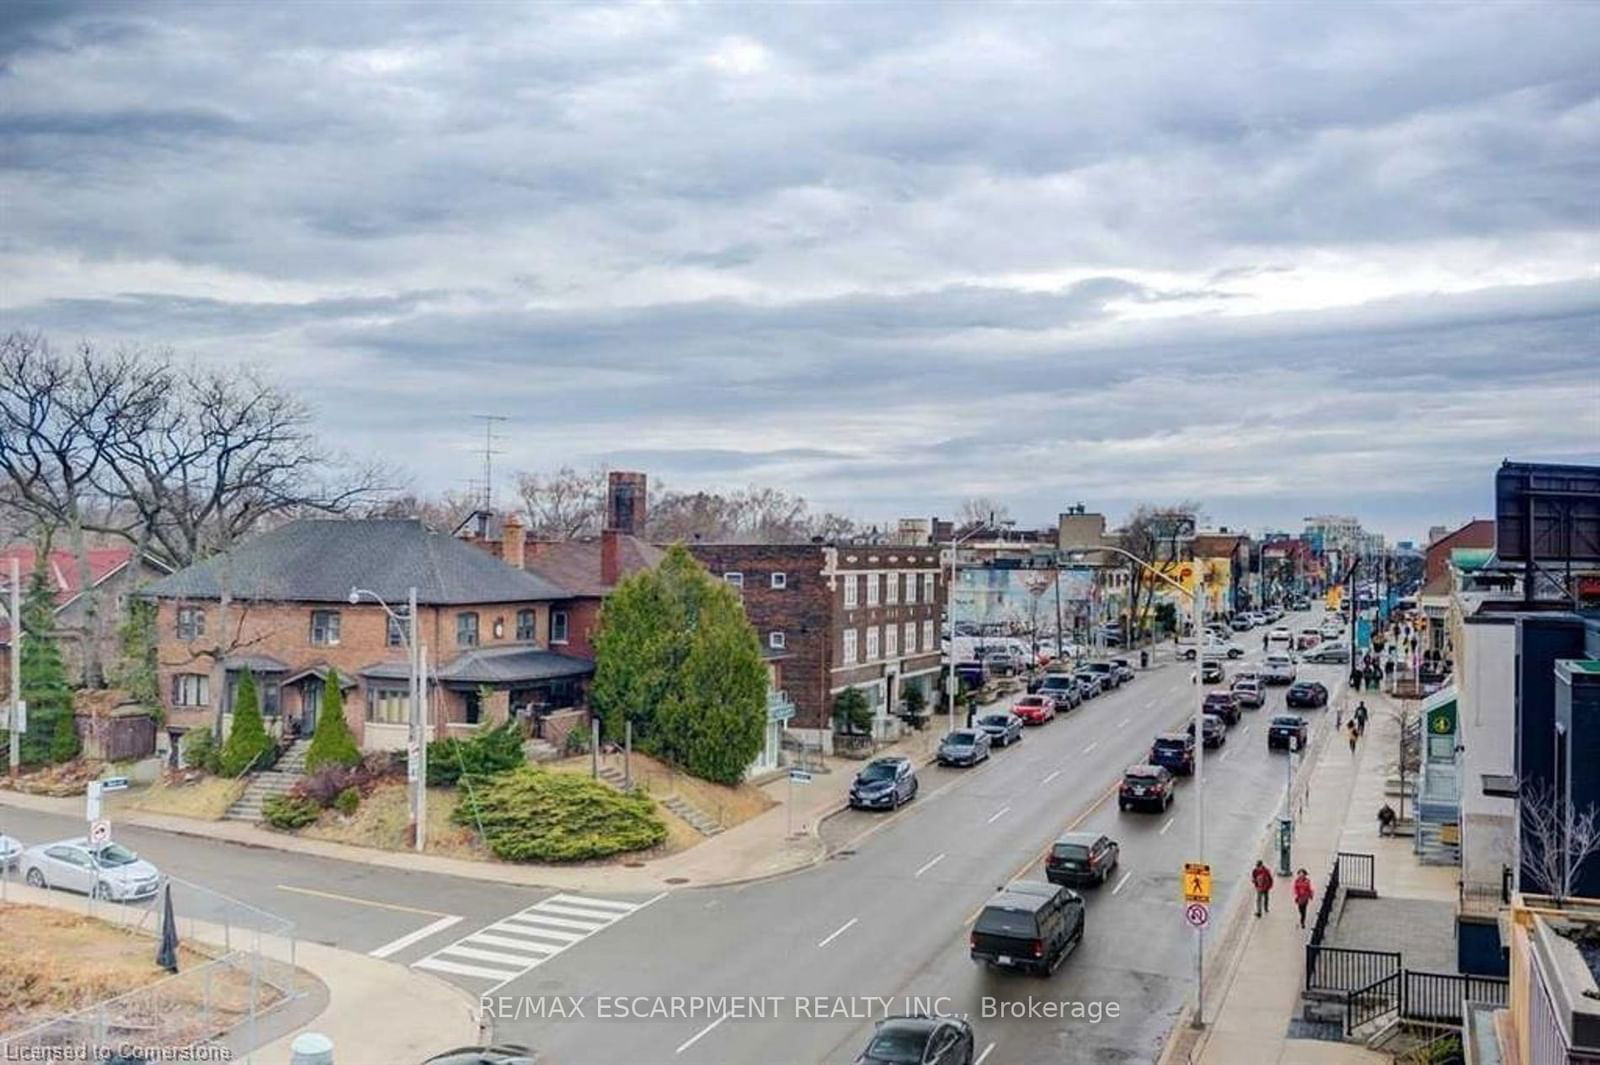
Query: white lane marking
point(931, 862)
point(1121, 723)
point(594, 903)
point(558, 922)
point(515, 926)
point(1150, 704)
point(701, 1034)
point(1223, 756)
point(1053, 774)
point(440, 966)
point(1091, 746)
point(1121, 883)
point(519, 945)
point(841, 930)
point(1166, 826)
point(985, 1054)
point(397, 945)
point(1246, 729)
point(998, 814)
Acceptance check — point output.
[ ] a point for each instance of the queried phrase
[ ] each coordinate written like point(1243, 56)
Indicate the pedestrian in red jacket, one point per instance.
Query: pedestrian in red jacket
point(1303, 893)
point(1261, 877)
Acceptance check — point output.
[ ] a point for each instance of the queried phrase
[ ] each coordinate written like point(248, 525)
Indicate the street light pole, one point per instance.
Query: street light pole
point(16, 665)
point(950, 620)
point(416, 716)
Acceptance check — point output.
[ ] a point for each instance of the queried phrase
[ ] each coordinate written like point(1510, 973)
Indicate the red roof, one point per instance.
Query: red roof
point(575, 564)
point(62, 570)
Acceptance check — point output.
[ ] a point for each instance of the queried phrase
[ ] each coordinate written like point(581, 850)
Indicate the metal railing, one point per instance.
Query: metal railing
point(1438, 998)
point(1344, 969)
point(1319, 926)
point(1373, 1002)
point(1356, 873)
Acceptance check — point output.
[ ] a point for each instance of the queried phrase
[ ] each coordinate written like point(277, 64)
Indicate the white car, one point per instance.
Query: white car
point(108, 871)
point(1332, 630)
point(10, 851)
point(1279, 669)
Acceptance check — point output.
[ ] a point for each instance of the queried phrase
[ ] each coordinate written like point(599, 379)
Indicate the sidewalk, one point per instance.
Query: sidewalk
point(758, 848)
point(421, 1015)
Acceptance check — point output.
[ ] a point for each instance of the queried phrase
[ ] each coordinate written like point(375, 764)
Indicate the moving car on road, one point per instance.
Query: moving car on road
point(1306, 693)
point(1215, 729)
point(883, 784)
point(1331, 630)
point(1082, 858)
point(1241, 623)
point(1307, 638)
point(964, 746)
point(1173, 751)
point(1029, 925)
point(1004, 727)
point(107, 871)
point(919, 1041)
point(1279, 669)
point(1333, 651)
point(1287, 730)
point(1224, 704)
point(1145, 786)
point(1211, 672)
point(1035, 709)
point(1214, 649)
point(1248, 693)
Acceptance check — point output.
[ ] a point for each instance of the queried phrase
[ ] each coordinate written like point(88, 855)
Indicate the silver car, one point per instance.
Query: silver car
point(10, 851)
point(107, 871)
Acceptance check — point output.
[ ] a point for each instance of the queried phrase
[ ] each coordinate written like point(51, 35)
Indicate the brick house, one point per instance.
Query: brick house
point(837, 616)
point(494, 639)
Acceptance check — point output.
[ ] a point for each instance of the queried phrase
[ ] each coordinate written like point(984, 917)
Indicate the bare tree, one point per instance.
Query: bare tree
point(981, 511)
point(1154, 534)
point(444, 512)
point(564, 505)
point(1557, 839)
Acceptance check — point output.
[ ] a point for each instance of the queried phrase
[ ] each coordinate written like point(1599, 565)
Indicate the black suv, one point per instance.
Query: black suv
point(883, 784)
point(1287, 730)
point(919, 1041)
point(1082, 858)
point(1174, 751)
point(1216, 730)
point(1225, 705)
point(1029, 925)
point(1306, 693)
point(1145, 785)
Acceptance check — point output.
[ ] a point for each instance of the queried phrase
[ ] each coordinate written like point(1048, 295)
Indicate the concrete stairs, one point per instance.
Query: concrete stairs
point(1431, 847)
point(614, 777)
point(698, 819)
point(278, 780)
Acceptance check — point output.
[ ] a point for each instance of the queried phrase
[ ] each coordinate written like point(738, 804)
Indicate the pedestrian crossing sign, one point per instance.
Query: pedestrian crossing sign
point(1196, 882)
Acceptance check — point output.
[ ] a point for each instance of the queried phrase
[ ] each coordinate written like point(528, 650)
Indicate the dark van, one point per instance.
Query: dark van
point(1029, 925)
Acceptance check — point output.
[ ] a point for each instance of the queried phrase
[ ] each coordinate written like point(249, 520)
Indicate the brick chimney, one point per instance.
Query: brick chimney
point(610, 557)
point(626, 502)
point(513, 542)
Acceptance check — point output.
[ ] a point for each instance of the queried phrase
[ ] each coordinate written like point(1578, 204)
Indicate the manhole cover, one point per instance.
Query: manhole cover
point(676, 880)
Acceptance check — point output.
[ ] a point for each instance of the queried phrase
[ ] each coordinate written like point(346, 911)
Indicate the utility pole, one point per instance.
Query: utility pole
point(16, 666)
point(1199, 784)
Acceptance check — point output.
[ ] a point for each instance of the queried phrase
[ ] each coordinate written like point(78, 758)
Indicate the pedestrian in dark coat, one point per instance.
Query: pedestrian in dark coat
point(1261, 880)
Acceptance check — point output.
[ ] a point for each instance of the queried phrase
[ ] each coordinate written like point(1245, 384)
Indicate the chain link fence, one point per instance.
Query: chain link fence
point(236, 965)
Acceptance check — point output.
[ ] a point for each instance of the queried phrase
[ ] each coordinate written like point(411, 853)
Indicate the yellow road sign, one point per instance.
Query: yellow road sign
point(1196, 882)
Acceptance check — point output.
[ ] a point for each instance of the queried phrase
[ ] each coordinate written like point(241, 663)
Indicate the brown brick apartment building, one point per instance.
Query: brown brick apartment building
point(836, 616)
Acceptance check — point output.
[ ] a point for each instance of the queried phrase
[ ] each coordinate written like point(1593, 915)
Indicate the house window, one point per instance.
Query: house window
point(911, 632)
point(397, 630)
point(527, 629)
point(927, 635)
point(191, 622)
point(872, 644)
point(388, 705)
point(191, 689)
point(927, 587)
point(735, 579)
point(850, 591)
point(872, 589)
point(780, 580)
point(325, 628)
point(891, 587)
point(775, 640)
point(558, 626)
point(850, 642)
point(891, 641)
point(467, 629)
point(472, 707)
point(911, 587)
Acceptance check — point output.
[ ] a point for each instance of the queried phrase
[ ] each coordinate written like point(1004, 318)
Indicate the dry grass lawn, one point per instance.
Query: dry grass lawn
point(383, 816)
point(206, 798)
point(55, 962)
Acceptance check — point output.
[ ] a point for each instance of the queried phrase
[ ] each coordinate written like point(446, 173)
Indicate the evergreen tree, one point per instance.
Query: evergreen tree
point(247, 739)
point(43, 676)
point(676, 655)
point(332, 743)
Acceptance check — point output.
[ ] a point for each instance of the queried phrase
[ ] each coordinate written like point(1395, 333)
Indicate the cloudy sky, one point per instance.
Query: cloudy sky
point(1287, 258)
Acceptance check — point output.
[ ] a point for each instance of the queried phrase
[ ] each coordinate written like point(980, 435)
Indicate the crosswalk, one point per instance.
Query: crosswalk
point(516, 944)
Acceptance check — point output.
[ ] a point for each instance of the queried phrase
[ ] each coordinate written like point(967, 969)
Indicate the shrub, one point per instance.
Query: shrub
point(323, 786)
point(347, 801)
point(332, 743)
point(532, 815)
point(486, 753)
point(576, 742)
point(64, 742)
point(289, 811)
point(200, 750)
point(851, 714)
point(248, 742)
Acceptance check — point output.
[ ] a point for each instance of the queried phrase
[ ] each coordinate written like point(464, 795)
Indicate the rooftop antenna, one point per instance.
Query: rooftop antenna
point(489, 452)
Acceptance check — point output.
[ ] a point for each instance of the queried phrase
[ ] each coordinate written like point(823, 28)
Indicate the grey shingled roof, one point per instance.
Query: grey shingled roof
point(317, 560)
point(492, 665)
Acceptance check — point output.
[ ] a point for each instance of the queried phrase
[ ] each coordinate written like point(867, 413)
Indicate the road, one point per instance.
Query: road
point(886, 917)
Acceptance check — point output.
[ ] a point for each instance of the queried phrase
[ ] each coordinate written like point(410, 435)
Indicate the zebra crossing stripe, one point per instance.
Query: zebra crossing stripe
point(437, 965)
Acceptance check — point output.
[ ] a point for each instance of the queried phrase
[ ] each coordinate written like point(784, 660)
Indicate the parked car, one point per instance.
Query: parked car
point(1211, 672)
point(1278, 669)
point(1224, 705)
point(1082, 858)
point(1333, 651)
point(1029, 925)
point(1063, 688)
point(108, 871)
point(10, 852)
point(1241, 623)
point(1004, 727)
point(1088, 682)
point(883, 784)
point(1110, 676)
point(919, 1041)
point(964, 746)
point(1125, 667)
point(1173, 751)
point(1249, 693)
point(1145, 785)
point(970, 674)
point(1214, 728)
point(1002, 662)
point(1306, 693)
point(1035, 709)
point(1287, 730)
